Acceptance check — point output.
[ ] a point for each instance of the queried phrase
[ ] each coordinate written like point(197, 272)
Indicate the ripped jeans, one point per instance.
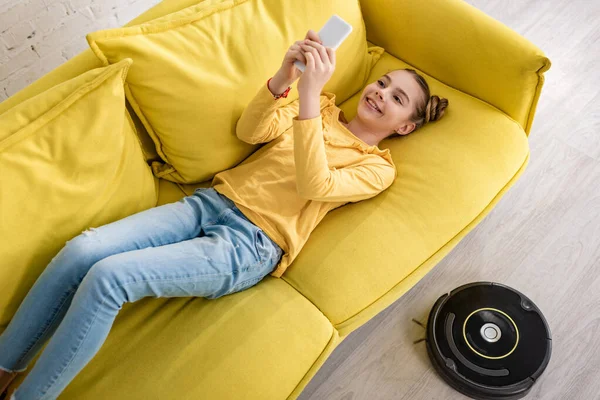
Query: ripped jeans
point(199, 246)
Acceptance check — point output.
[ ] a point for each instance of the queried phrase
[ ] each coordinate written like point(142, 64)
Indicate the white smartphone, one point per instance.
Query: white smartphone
point(332, 34)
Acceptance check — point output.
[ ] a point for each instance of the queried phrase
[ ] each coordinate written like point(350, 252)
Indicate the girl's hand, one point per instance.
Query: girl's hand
point(288, 71)
point(320, 64)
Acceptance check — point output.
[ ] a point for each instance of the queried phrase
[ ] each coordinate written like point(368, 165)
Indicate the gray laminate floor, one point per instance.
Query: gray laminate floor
point(543, 238)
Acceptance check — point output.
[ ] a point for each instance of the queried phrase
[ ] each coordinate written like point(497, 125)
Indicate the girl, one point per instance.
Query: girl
point(251, 222)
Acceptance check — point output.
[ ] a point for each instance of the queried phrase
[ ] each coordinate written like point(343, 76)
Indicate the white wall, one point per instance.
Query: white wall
point(37, 36)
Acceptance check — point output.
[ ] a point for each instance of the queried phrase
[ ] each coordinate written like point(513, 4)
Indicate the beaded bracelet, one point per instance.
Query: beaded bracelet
point(277, 96)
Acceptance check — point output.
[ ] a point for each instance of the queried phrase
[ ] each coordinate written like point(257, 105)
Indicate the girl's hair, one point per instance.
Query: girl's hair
point(426, 111)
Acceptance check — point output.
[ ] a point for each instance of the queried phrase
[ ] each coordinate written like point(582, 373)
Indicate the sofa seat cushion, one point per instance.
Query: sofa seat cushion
point(258, 344)
point(364, 255)
point(195, 70)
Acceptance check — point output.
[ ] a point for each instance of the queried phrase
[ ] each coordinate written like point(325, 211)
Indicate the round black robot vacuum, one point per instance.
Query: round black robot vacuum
point(488, 341)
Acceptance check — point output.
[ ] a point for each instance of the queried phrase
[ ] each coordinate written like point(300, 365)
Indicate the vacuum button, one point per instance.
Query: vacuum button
point(490, 332)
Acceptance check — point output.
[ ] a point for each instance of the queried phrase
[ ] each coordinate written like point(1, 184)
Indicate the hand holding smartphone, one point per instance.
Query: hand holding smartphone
point(332, 34)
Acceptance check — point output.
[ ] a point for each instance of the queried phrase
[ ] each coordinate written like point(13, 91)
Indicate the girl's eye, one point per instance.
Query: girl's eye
point(380, 82)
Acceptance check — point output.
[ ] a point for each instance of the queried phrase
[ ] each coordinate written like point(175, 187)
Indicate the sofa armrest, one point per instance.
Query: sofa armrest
point(464, 48)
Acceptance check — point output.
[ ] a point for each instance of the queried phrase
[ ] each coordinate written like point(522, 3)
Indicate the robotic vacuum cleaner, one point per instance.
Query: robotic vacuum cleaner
point(488, 341)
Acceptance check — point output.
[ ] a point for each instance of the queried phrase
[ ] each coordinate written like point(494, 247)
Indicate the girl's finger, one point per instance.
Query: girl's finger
point(312, 35)
point(313, 51)
point(299, 56)
point(310, 61)
point(296, 49)
point(322, 51)
point(331, 53)
point(313, 43)
point(324, 55)
point(293, 53)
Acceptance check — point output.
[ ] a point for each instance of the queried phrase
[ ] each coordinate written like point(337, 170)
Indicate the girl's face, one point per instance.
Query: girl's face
point(395, 95)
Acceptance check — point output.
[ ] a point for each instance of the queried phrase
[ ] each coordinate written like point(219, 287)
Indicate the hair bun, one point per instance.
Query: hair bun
point(435, 108)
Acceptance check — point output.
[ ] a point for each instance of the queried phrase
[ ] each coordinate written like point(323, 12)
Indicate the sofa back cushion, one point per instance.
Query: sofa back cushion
point(195, 70)
point(69, 160)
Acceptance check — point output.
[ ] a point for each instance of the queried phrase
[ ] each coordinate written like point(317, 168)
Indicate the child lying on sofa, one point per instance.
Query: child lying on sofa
point(251, 222)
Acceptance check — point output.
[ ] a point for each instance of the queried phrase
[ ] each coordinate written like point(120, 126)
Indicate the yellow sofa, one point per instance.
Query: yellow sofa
point(268, 342)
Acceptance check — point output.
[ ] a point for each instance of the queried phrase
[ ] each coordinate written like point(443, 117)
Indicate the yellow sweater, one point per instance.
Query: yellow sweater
point(307, 168)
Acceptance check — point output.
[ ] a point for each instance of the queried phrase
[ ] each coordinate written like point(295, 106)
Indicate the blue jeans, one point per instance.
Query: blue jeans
point(159, 252)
